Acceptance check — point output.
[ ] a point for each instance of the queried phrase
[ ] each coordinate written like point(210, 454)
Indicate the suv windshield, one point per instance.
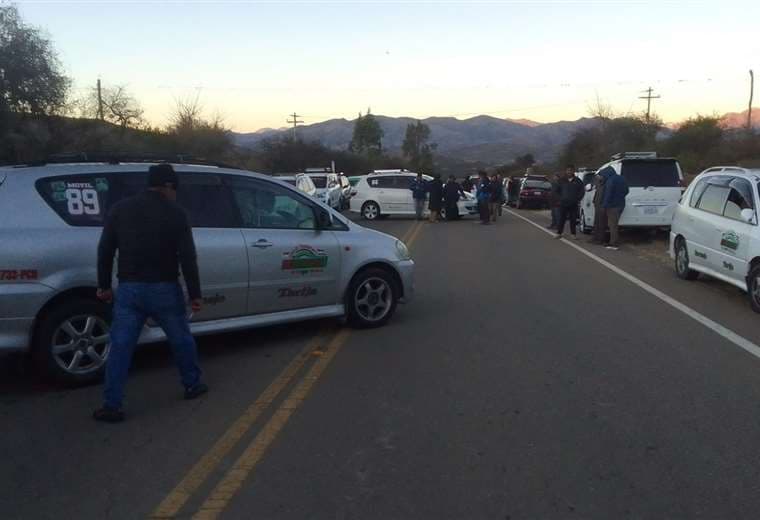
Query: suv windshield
point(659, 173)
point(320, 182)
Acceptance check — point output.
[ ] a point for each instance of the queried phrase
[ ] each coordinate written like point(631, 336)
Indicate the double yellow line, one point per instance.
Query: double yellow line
point(324, 346)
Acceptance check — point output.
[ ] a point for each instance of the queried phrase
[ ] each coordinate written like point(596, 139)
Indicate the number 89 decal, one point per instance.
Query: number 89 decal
point(82, 201)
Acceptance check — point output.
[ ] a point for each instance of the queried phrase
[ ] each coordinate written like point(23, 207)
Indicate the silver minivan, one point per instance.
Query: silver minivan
point(267, 254)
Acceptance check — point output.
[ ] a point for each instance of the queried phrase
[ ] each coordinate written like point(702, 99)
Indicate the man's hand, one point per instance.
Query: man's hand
point(196, 305)
point(105, 295)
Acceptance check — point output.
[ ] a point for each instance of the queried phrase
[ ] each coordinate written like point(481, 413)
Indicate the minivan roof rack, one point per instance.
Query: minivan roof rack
point(127, 157)
point(634, 155)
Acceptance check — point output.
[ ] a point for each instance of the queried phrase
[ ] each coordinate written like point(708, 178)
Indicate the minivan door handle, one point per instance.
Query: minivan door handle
point(262, 243)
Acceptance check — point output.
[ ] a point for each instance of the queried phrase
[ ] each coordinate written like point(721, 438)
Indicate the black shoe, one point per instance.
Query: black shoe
point(196, 391)
point(109, 415)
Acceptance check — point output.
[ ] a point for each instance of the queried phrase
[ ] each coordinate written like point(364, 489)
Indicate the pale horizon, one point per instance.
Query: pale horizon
point(254, 63)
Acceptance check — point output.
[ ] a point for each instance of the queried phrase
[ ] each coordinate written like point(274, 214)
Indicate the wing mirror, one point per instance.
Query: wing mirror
point(748, 215)
point(324, 219)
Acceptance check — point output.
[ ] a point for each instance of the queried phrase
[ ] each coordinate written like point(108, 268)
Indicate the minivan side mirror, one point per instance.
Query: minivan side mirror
point(748, 215)
point(324, 218)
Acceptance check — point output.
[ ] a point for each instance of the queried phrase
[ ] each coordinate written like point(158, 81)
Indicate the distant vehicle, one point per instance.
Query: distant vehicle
point(302, 182)
point(655, 186)
point(386, 192)
point(329, 189)
point(715, 229)
point(535, 191)
point(267, 253)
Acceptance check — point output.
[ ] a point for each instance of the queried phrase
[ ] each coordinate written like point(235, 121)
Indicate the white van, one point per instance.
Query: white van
point(329, 189)
point(655, 187)
point(386, 192)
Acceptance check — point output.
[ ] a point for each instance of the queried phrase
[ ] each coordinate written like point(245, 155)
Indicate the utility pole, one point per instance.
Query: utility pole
point(100, 103)
point(751, 92)
point(295, 122)
point(649, 97)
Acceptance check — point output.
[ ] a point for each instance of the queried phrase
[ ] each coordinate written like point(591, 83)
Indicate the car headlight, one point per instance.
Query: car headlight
point(402, 251)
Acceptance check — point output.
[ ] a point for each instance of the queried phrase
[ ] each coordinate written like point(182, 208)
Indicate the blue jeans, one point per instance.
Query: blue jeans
point(133, 305)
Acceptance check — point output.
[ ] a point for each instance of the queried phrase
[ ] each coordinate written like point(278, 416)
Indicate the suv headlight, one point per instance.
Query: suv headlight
point(402, 251)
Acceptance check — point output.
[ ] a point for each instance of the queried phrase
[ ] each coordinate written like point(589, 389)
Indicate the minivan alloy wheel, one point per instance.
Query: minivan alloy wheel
point(373, 299)
point(371, 211)
point(81, 344)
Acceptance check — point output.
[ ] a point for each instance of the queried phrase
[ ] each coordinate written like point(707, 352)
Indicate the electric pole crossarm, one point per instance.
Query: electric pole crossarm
point(649, 97)
point(295, 122)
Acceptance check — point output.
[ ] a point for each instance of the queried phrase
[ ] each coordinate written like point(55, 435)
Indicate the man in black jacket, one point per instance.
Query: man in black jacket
point(570, 192)
point(451, 194)
point(153, 237)
point(435, 189)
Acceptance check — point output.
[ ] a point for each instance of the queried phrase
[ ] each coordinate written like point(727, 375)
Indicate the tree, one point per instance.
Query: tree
point(31, 80)
point(416, 147)
point(367, 136)
point(119, 106)
point(193, 133)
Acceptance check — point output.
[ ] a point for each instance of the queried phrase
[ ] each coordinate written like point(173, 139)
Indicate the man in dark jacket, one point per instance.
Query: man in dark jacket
point(484, 197)
point(570, 191)
point(450, 197)
point(613, 202)
point(435, 189)
point(153, 237)
point(419, 189)
point(554, 201)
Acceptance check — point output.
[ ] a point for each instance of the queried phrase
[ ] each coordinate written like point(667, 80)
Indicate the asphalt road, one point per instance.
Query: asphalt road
point(525, 381)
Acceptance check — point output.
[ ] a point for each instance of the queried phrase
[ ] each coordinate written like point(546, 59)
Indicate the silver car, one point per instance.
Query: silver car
point(267, 254)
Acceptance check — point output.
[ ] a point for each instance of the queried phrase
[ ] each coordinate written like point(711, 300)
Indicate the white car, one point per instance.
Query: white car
point(302, 182)
point(715, 229)
point(655, 187)
point(329, 189)
point(387, 192)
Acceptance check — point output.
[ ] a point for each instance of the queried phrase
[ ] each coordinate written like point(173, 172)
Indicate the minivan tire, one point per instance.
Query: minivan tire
point(371, 298)
point(682, 262)
point(88, 323)
point(754, 287)
point(370, 210)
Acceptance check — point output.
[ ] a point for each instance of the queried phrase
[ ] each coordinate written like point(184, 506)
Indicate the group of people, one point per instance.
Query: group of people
point(489, 193)
point(609, 203)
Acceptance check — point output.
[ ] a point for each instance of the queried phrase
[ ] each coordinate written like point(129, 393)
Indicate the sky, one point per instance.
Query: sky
point(255, 62)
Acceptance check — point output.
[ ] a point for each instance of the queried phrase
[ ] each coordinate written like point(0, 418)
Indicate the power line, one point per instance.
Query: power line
point(649, 97)
point(295, 122)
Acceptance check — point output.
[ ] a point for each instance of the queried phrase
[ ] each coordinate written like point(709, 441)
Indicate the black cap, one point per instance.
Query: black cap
point(159, 175)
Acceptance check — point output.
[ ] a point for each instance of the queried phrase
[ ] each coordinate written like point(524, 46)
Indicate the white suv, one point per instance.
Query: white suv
point(715, 229)
point(329, 189)
point(302, 182)
point(654, 185)
point(386, 192)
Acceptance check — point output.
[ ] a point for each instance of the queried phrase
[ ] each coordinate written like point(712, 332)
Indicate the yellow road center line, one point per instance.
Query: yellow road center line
point(414, 235)
point(177, 497)
point(223, 493)
point(410, 231)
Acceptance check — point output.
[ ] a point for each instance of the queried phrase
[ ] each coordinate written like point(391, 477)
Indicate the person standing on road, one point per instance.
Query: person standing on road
point(153, 237)
point(554, 205)
point(419, 194)
point(484, 197)
point(570, 191)
point(435, 189)
point(494, 201)
point(600, 215)
point(613, 202)
point(451, 193)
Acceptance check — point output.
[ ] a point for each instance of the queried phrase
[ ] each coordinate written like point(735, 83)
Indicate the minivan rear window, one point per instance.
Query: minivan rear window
point(80, 200)
point(660, 173)
point(320, 182)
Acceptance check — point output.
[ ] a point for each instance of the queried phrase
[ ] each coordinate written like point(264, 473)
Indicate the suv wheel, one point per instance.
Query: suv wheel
point(371, 298)
point(682, 262)
point(753, 284)
point(72, 342)
point(370, 210)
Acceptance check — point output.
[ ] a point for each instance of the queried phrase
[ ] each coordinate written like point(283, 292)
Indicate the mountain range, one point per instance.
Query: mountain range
point(482, 139)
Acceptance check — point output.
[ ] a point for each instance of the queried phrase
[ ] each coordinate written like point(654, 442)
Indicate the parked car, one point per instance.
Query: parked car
point(267, 253)
point(329, 189)
point(302, 182)
point(534, 192)
point(387, 192)
point(715, 229)
point(655, 186)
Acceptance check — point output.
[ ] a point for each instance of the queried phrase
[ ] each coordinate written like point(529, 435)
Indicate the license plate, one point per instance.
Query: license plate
point(650, 210)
